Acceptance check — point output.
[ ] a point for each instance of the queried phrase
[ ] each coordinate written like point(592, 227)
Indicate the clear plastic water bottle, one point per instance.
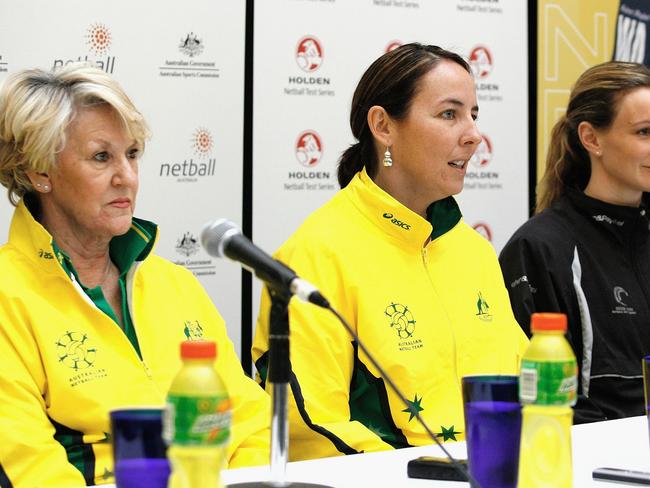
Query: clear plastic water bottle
point(197, 420)
point(547, 389)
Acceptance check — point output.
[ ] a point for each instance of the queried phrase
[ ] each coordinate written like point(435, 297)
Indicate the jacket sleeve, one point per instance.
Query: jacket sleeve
point(528, 280)
point(535, 284)
point(250, 433)
point(29, 453)
point(322, 359)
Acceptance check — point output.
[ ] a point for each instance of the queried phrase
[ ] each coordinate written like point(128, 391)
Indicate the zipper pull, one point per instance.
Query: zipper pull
point(147, 370)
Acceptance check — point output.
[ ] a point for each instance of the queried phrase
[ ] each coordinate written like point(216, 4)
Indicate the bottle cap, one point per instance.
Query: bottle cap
point(198, 349)
point(548, 321)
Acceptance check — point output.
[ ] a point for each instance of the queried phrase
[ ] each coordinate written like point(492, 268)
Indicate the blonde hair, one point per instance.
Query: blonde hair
point(595, 99)
point(36, 108)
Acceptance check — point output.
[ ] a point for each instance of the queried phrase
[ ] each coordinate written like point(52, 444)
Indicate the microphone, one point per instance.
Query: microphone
point(223, 238)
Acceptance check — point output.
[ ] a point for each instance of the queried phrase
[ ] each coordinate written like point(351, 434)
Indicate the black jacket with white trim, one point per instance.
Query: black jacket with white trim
point(590, 260)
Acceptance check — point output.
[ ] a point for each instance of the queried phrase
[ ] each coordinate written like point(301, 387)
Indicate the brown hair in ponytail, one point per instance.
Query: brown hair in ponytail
point(595, 99)
point(390, 82)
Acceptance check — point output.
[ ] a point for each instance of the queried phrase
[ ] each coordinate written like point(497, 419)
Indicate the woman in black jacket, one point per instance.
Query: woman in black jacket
point(586, 252)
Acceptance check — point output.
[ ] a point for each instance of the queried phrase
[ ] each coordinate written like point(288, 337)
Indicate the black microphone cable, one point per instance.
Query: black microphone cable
point(459, 467)
point(216, 238)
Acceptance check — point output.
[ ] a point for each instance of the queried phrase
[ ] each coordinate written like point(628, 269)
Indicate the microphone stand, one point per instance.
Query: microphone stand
point(279, 374)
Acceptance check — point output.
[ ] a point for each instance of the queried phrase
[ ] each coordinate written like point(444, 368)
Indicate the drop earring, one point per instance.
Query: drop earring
point(388, 160)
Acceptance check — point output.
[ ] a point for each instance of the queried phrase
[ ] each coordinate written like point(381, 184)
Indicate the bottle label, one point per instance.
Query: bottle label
point(194, 420)
point(548, 382)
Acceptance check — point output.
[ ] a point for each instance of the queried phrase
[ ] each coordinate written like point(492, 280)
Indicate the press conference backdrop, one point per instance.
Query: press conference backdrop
point(306, 72)
point(182, 63)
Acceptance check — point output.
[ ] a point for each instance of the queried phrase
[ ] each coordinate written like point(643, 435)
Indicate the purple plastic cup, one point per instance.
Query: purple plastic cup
point(139, 452)
point(492, 429)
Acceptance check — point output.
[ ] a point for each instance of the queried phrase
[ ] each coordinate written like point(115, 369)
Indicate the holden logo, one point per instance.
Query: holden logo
point(98, 38)
point(309, 148)
point(480, 60)
point(309, 54)
point(392, 45)
point(483, 154)
point(202, 142)
point(483, 229)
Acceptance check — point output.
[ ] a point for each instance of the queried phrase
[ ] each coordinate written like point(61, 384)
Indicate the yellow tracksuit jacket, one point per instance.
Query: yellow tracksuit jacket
point(65, 364)
point(430, 314)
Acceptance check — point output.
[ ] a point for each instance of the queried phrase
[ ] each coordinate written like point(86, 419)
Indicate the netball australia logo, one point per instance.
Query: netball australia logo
point(309, 148)
point(191, 45)
point(480, 60)
point(199, 165)
point(483, 154)
point(392, 45)
point(74, 351)
point(98, 39)
point(309, 54)
point(483, 229)
point(202, 142)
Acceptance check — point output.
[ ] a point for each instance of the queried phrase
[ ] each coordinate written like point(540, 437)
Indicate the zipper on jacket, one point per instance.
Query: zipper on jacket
point(424, 255)
point(147, 370)
point(130, 283)
point(128, 286)
point(639, 228)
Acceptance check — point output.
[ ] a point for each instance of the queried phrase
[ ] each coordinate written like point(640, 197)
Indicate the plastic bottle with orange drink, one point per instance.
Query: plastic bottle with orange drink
point(547, 390)
point(198, 418)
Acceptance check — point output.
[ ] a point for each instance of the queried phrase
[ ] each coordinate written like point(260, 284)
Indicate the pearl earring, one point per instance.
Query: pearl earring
point(388, 160)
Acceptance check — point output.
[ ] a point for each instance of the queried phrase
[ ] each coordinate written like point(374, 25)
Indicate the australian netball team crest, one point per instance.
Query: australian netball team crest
point(403, 323)
point(76, 351)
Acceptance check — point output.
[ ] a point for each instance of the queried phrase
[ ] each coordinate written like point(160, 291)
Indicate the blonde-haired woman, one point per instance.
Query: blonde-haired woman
point(587, 251)
point(90, 319)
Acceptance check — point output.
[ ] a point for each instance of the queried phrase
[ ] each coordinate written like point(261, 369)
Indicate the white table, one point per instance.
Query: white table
point(616, 443)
